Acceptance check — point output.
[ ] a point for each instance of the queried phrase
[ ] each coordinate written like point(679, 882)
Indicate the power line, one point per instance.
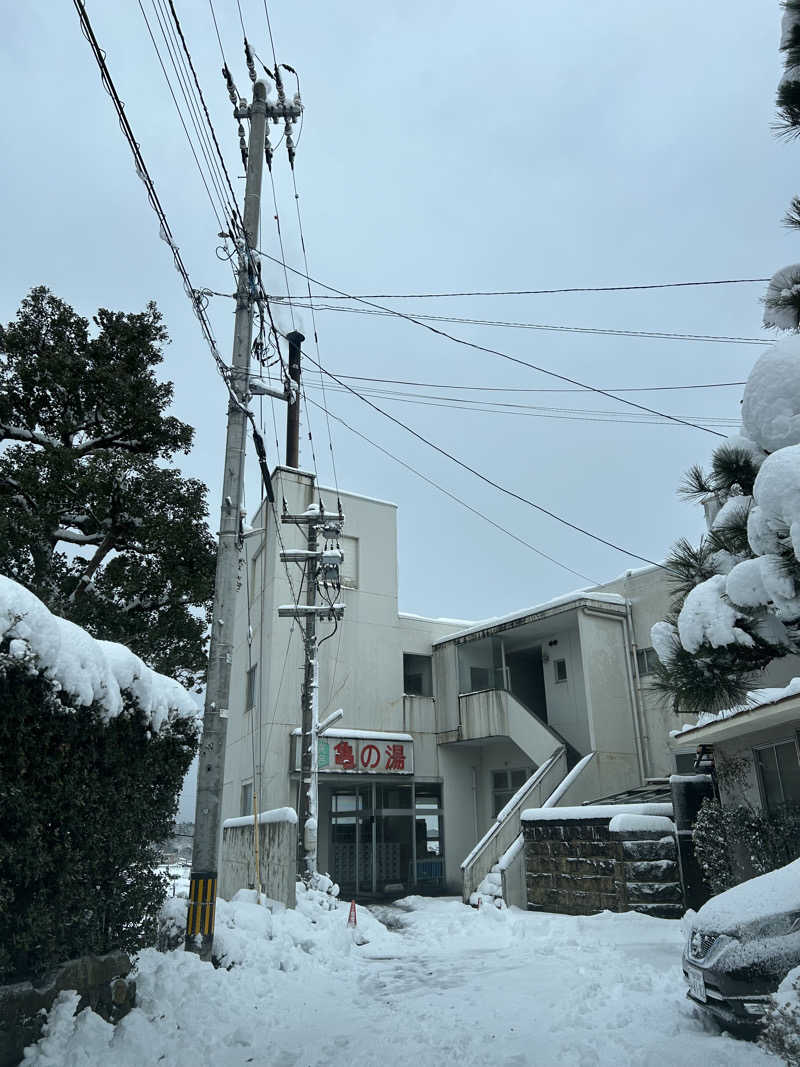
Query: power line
point(503, 355)
point(485, 478)
point(545, 292)
point(542, 411)
point(525, 389)
point(453, 496)
point(661, 335)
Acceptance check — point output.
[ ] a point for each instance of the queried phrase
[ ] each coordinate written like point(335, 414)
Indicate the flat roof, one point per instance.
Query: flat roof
point(529, 614)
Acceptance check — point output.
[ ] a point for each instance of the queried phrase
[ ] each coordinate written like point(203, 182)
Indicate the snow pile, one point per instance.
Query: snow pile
point(87, 670)
point(438, 983)
point(771, 400)
point(489, 893)
point(623, 824)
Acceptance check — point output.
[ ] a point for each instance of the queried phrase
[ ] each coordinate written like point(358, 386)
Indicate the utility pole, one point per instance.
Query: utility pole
point(319, 566)
point(203, 883)
point(295, 340)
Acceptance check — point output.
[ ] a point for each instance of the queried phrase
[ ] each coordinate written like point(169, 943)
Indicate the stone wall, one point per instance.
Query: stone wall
point(101, 981)
point(579, 866)
point(277, 856)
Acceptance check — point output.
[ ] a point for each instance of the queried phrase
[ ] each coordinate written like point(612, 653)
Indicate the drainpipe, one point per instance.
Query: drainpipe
point(623, 619)
point(645, 735)
point(475, 798)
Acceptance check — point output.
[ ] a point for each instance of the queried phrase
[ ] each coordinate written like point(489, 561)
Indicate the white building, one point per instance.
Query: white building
point(444, 721)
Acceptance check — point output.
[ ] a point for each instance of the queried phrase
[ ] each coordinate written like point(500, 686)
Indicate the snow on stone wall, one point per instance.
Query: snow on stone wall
point(87, 670)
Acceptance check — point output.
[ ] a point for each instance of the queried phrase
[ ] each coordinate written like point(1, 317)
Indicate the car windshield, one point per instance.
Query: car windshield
point(755, 900)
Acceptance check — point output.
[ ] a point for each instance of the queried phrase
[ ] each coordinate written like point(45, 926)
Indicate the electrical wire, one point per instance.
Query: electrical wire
point(490, 481)
point(526, 389)
point(661, 335)
point(505, 355)
point(542, 292)
point(457, 499)
point(214, 206)
point(531, 410)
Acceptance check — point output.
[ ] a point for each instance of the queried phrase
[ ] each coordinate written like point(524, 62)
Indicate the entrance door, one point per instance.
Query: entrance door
point(352, 838)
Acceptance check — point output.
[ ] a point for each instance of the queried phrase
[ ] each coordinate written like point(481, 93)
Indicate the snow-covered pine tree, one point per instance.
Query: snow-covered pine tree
point(737, 594)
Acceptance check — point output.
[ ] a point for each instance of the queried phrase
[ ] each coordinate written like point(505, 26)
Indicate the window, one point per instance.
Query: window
point(478, 679)
point(684, 762)
point(505, 783)
point(646, 660)
point(246, 801)
point(417, 675)
point(560, 667)
point(250, 689)
point(348, 571)
point(779, 771)
point(256, 570)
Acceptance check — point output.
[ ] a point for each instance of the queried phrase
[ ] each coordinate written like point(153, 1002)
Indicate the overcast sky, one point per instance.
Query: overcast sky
point(446, 146)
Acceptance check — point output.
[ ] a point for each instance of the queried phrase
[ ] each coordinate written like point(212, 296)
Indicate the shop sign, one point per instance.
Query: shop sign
point(365, 755)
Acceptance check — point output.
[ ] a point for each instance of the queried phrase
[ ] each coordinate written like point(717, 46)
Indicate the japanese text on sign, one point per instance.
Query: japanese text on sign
point(359, 755)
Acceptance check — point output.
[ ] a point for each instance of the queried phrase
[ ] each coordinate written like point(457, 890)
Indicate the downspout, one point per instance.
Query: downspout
point(645, 736)
point(475, 798)
point(623, 619)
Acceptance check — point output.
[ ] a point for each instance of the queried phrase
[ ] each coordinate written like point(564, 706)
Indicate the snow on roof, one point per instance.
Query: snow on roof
point(593, 811)
point(435, 621)
point(356, 496)
point(86, 669)
point(556, 602)
point(756, 699)
point(759, 898)
point(361, 735)
point(276, 815)
point(631, 572)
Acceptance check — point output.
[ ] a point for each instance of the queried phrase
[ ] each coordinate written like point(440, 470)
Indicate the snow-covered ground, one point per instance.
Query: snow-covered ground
point(435, 983)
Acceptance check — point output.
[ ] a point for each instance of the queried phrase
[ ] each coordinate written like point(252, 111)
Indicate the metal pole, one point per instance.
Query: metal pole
point(295, 340)
point(203, 883)
point(308, 813)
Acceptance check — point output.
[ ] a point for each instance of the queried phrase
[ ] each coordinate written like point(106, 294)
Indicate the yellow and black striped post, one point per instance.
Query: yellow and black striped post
point(202, 903)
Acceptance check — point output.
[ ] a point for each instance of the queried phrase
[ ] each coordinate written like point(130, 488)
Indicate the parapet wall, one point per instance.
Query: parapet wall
point(581, 865)
point(277, 832)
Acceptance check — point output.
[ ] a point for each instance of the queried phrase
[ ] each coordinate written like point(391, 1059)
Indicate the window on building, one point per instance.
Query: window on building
point(779, 772)
point(257, 571)
point(246, 801)
point(348, 571)
point(417, 675)
point(684, 762)
point(250, 688)
point(505, 783)
point(646, 660)
point(479, 678)
point(560, 668)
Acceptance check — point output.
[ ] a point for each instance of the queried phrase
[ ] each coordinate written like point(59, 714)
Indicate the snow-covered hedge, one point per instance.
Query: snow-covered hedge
point(93, 750)
point(734, 844)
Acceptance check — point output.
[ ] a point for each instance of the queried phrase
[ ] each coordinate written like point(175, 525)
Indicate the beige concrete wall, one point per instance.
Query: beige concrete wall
point(277, 860)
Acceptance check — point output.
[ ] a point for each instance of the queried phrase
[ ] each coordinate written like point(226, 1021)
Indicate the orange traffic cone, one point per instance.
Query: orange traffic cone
point(351, 918)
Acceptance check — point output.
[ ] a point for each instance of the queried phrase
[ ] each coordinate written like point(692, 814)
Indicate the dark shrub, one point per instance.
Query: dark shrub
point(83, 803)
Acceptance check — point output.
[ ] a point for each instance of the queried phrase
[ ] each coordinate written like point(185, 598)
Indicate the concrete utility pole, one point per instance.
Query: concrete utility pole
point(203, 883)
point(317, 564)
